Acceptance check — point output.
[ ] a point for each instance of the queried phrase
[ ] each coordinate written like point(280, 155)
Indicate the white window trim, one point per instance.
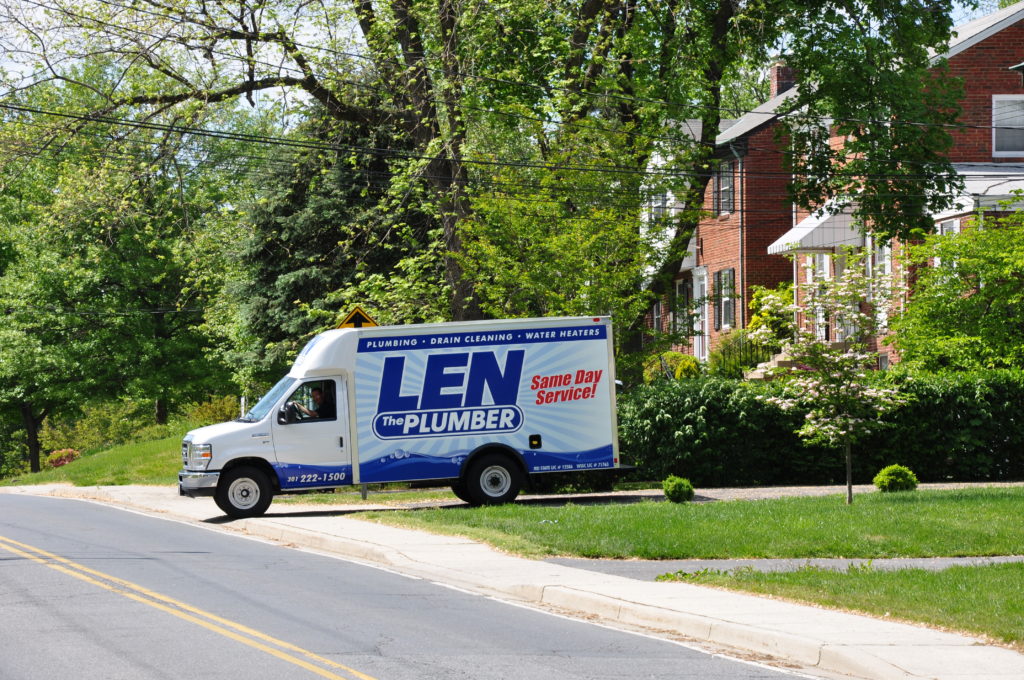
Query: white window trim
point(1005, 154)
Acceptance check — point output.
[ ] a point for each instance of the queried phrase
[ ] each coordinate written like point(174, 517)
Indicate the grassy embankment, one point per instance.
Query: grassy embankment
point(982, 600)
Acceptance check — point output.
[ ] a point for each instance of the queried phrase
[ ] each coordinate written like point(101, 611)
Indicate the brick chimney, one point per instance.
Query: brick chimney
point(781, 77)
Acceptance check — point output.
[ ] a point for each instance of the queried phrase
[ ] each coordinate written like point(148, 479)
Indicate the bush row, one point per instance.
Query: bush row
point(718, 432)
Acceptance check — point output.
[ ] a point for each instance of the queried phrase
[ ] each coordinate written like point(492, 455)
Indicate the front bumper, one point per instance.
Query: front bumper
point(193, 484)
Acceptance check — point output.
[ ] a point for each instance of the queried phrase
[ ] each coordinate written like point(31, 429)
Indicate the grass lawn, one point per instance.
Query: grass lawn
point(983, 521)
point(982, 600)
point(149, 462)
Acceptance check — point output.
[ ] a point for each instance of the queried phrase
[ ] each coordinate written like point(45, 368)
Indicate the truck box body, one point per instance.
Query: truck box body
point(410, 403)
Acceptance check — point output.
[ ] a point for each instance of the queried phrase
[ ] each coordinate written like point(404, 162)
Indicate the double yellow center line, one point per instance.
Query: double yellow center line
point(235, 631)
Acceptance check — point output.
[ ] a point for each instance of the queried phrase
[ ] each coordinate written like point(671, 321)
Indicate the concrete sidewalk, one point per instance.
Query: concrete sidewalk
point(812, 638)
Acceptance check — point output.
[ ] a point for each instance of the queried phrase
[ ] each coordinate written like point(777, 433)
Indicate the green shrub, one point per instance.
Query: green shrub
point(717, 432)
point(213, 410)
point(895, 478)
point(97, 426)
point(688, 367)
point(12, 464)
point(963, 426)
point(677, 489)
point(662, 365)
point(771, 315)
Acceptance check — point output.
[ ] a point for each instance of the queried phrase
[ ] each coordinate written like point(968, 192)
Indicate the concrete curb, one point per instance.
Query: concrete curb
point(813, 638)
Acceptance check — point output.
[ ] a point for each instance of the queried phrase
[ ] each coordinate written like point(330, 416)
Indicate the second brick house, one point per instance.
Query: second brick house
point(754, 236)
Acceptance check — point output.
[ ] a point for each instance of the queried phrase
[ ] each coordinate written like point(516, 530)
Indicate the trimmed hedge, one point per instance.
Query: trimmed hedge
point(957, 426)
point(717, 432)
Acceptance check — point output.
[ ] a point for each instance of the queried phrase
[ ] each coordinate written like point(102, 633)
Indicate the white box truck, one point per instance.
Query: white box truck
point(478, 405)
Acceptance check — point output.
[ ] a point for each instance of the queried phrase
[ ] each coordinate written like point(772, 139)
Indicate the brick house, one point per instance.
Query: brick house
point(755, 236)
point(748, 209)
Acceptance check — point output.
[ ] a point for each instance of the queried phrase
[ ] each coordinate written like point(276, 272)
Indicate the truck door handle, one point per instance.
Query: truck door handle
point(341, 442)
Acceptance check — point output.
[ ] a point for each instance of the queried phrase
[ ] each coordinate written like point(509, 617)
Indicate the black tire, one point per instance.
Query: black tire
point(493, 479)
point(243, 492)
point(461, 492)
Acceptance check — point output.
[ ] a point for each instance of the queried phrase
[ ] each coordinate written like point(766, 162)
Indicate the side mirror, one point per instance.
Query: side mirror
point(287, 414)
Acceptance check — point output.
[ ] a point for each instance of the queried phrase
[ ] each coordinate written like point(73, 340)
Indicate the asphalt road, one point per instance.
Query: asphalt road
point(92, 592)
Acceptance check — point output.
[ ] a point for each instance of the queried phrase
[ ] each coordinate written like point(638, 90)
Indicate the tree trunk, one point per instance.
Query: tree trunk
point(160, 411)
point(32, 423)
point(849, 473)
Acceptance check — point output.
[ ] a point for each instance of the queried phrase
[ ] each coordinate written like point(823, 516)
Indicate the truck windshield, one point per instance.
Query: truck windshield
point(263, 406)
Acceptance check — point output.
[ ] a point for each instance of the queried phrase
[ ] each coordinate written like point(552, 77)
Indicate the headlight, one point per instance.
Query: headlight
point(197, 456)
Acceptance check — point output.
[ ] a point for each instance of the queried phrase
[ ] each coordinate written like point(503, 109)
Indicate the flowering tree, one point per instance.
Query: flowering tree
point(832, 384)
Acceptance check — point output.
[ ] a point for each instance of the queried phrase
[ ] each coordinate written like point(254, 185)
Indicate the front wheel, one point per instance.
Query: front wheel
point(493, 479)
point(243, 492)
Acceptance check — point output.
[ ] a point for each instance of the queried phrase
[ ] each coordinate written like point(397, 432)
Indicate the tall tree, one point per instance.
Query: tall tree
point(966, 306)
point(99, 296)
point(326, 221)
point(561, 72)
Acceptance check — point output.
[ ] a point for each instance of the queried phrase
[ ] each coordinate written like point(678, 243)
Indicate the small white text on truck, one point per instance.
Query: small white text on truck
point(479, 405)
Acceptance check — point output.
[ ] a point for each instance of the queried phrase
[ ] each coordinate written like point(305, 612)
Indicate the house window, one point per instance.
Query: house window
point(1007, 125)
point(882, 259)
point(659, 206)
point(947, 228)
point(656, 312)
point(725, 299)
point(725, 195)
point(682, 321)
point(817, 267)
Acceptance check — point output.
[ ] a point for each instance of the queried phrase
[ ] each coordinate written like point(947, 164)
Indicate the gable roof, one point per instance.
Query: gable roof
point(965, 36)
point(973, 32)
point(765, 113)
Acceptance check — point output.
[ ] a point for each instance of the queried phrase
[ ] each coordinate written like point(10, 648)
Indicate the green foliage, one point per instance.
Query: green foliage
point(965, 307)
point(895, 478)
point(716, 432)
point(880, 70)
point(687, 367)
point(670, 365)
point(963, 427)
point(97, 426)
point(840, 400)
point(771, 315)
point(677, 489)
point(213, 410)
point(327, 233)
point(12, 463)
point(102, 425)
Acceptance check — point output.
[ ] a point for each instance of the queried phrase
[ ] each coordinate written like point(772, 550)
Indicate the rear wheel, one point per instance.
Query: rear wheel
point(243, 492)
point(493, 479)
point(460, 491)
